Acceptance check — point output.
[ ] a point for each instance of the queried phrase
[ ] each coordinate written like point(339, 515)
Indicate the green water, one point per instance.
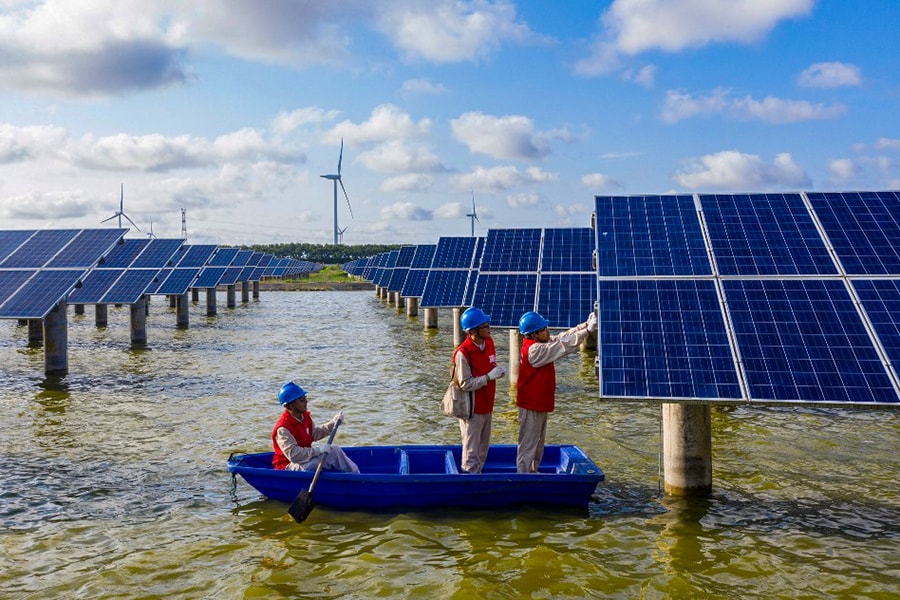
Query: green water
point(113, 481)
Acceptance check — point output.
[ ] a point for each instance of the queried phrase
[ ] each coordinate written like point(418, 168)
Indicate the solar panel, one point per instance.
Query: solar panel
point(11, 240)
point(95, 285)
point(881, 300)
point(764, 234)
point(122, 255)
point(505, 297)
point(11, 281)
point(209, 277)
point(39, 249)
point(178, 281)
point(129, 288)
point(230, 276)
point(158, 254)
point(473, 273)
point(241, 259)
point(803, 339)
point(423, 256)
point(453, 253)
point(37, 297)
point(566, 299)
point(445, 289)
point(863, 228)
point(512, 250)
point(196, 256)
point(414, 284)
point(664, 338)
point(223, 257)
point(87, 248)
point(568, 250)
point(383, 276)
point(649, 235)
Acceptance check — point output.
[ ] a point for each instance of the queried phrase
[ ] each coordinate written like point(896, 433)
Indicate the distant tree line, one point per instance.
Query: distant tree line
point(326, 254)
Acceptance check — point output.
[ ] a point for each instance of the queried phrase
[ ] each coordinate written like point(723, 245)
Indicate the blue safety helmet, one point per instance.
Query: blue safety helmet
point(531, 322)
point(290, 392)
point(473, 318)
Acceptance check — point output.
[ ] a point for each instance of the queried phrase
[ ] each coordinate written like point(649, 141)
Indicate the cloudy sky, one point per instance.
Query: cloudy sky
point(231, 110)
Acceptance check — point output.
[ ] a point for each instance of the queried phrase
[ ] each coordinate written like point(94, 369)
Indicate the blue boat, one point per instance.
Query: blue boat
point(393, 477)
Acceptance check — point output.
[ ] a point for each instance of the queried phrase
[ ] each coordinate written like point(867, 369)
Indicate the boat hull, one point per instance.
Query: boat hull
point(428, 476)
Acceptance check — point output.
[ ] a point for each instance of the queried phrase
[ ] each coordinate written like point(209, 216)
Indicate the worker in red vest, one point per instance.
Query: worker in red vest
point(475, 369)
point(536, 387)
point(295, 432)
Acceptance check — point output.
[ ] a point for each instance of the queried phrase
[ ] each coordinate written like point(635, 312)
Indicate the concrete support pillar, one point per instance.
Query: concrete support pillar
point(195, 294)
point(147, 304)
point(431, 315)
point(230, 296)
point(138, 312)
point(256, 290)
point(398, 300)
point(210, 302)
point(245, 292)
point(515, 350)
point(458, 333)
point(412, 306)
point(173, 300)
point(79, 309)
point(35, 332)
point(182, 316)
point(687, 449)
point(56, 341)
point(377, 292)
point(101, 315)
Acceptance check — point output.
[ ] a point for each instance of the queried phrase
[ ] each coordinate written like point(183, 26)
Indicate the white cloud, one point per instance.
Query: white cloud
point(523, 200)
point(451, 210)
point(405, 211)
point(399, 156)
point(509, 137)
point(842, 170)
point(386, 122)
point(27, 143)
point(630, 27)
point(737, 171)
point(643, 76)
point(498, 179)
point(887, 144)
point(445, 31)
point(830, 75)
point(598, 181)
point(679, 106)
point(411, 182)
point(422, 86)
point(39, 207)
point(287, 122)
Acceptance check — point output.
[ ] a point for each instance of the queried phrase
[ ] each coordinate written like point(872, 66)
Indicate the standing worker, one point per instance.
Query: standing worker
point(475, 369)
point(295, 432)
point(536, 387)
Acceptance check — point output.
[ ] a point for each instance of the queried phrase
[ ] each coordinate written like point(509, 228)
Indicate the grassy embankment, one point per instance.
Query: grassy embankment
point(332, 277)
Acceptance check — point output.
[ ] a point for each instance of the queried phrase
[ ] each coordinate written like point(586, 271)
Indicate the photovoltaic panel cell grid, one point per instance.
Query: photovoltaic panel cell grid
point(764, 234)
point(159, 253)
point(39, 249)
point(86, 249)
point(122, 255)
point(37, 297)
point(796, 330)
point(11, 281)
point(95, 285)
point(10, 240)
point(511, 250)
point(129, 288)
point(450, 274)
point(863, 228)
point(568, 250)
point(505, 297)
point(414, 284)
point(473, 273)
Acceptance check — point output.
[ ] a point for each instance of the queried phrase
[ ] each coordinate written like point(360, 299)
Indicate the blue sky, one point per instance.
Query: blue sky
point(232, 110)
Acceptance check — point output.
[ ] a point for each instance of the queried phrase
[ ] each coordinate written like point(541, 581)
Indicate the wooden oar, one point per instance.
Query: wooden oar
point(303, 503)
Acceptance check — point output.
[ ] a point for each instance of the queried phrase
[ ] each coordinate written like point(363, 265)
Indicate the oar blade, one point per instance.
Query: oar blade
point(301, 506)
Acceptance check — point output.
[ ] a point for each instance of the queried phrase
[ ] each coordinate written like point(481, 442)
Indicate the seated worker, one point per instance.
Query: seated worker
point(295, 432)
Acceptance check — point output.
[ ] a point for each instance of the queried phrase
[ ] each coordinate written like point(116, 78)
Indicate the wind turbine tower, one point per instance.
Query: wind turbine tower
point(336, 179)
point(121, 212)
point(473, 216)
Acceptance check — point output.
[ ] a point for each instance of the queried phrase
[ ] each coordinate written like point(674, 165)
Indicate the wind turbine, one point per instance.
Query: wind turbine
point(341, 235)
point(150, 233)
point(121, 212)
point(336, 179)
point(473, 216)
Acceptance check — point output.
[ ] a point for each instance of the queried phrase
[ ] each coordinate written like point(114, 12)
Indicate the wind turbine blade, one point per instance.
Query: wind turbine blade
point(130, 221)
point(346, 196)
point(340, 157)
point(110, 218)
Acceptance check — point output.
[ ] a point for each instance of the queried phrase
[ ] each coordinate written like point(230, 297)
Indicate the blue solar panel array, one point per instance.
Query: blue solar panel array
point(545, 270)
point(450, 274)
point(414, 284)
point(761, 298)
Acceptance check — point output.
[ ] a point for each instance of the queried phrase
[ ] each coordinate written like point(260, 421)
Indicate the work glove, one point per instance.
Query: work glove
point(496, 373)
point(592, 322)
point(325, 448)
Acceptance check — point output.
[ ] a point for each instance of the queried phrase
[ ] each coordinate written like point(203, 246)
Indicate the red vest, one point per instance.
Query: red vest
point(481, 362)
point(536, 388)
point(302, 432)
